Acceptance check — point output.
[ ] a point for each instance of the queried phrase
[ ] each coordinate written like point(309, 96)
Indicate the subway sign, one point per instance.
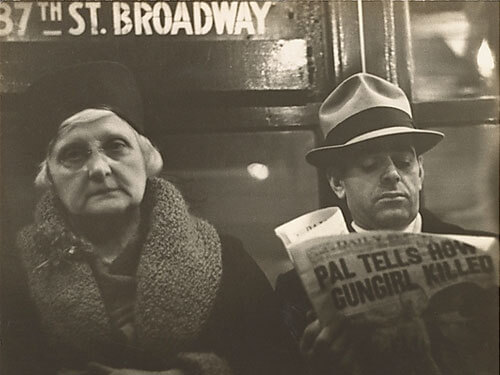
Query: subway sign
point(42, 20)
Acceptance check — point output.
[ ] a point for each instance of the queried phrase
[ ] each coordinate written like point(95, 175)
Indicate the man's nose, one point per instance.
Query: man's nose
point(98, 166)
point(390, 175)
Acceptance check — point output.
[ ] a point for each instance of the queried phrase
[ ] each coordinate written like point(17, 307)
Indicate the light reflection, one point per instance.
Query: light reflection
point(292, 54)
point(258, 171)
point(485, 60)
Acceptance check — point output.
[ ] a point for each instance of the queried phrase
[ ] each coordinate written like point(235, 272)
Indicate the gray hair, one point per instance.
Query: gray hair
point(152, 157)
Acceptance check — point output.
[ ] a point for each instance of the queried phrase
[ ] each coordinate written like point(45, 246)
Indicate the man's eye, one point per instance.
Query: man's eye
point(403, 163)
point(368, 164)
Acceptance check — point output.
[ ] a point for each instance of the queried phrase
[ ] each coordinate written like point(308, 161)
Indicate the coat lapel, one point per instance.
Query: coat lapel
point(178, 277)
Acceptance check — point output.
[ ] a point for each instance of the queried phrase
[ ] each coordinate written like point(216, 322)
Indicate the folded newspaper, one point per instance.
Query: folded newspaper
point(372, 275)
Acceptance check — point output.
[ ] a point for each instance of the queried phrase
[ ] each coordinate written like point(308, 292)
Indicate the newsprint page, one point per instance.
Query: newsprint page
point(249, 187)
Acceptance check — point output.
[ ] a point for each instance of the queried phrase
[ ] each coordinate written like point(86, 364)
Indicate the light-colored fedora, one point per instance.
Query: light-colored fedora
point(362, 108)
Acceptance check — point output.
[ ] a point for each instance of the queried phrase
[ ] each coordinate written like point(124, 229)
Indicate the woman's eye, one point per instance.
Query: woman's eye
point(73, 155)
point(116, 145)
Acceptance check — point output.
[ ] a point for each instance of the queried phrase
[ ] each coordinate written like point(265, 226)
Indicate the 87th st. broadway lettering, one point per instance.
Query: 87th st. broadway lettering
point(96, 18)
point(232, 18)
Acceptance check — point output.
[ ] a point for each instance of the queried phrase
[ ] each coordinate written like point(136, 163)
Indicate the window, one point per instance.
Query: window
point(246, 184)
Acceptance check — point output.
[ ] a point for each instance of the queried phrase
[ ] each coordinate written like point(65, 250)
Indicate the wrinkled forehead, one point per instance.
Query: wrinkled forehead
point(89, 116)
point(89, 122)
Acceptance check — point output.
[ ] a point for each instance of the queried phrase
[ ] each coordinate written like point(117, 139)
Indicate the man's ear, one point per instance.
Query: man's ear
point(420, 160)
point(337, 185)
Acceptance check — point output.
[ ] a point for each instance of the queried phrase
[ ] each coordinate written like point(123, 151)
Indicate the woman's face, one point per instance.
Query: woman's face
point(98, 167)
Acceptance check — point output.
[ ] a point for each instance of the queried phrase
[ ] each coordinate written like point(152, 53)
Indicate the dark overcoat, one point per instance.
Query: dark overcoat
point(202, 303)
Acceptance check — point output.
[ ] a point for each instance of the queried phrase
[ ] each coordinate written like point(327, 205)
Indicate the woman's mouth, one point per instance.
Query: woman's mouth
point(103, 191)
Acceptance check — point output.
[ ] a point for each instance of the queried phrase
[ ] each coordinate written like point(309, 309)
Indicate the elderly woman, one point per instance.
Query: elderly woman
point(124, 279)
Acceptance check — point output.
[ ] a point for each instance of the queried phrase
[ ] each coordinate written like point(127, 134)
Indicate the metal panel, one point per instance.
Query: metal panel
point(461, 177)
point(209, 66)
point(460, 112)
point(386, 39)
point(287, 51)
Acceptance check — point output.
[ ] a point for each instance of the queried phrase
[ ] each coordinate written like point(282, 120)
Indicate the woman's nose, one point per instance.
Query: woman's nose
point(98, 166)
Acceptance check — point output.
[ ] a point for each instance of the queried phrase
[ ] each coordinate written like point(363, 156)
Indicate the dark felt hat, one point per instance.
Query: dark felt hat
point(60, 94)
point(365, 107)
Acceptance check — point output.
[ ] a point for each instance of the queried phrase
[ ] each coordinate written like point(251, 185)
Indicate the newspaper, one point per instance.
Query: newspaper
point(372, 275)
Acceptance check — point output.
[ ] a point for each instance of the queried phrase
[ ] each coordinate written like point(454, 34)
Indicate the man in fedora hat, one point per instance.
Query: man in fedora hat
point(372, 156)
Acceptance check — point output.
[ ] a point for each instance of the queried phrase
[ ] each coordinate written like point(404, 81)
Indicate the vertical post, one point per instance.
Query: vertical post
point(379, 44)
point(389, 41)
point(361, 23)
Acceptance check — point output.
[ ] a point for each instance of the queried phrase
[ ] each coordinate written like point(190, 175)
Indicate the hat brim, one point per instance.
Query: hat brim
point(422, 140)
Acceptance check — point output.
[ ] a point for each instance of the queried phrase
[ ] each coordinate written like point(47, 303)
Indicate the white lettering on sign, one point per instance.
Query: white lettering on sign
point(96, 18)
point(55, 11)
point(121, 18)
point(43, 10)
point(261, 14)
point(202, 10)
point(73, 10)
point(182, 19)
point(244, 20)
point(162, 18)
point(25, 15)
point(224, 16)
point(143, 13)
point(94, 21)
point(6, 20)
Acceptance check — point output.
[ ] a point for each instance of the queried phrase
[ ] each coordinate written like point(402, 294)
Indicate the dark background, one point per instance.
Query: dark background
point(225, 110)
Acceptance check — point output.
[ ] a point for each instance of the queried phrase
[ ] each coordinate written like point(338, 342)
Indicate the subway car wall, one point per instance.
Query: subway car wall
point(230, 95)
point(231, 92)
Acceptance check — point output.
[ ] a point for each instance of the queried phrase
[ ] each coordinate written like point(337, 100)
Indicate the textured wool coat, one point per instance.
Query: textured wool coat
point(202, 304)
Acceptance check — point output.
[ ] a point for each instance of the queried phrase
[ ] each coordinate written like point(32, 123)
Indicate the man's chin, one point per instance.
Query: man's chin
point(395, 219)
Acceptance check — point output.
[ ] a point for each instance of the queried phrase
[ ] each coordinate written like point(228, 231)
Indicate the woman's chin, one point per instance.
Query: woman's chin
point(105, 209)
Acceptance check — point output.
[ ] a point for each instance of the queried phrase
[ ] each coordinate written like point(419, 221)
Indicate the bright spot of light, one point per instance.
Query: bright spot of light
point(292, 54)
point(485, 60)
point(258, 171)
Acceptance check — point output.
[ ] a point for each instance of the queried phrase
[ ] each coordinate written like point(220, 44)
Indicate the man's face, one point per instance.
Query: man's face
point(97, 167)
point(381, 183)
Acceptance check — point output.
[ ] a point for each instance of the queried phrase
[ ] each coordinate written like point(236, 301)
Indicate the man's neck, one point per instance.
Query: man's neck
point(414, 227)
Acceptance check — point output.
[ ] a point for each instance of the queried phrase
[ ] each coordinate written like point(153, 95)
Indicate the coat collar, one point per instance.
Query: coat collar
point(178, 275)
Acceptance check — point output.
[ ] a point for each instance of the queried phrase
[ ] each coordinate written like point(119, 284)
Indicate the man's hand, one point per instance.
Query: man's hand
point(403, 345)
point(329, 347)
point(400, 346)
point(99, 369)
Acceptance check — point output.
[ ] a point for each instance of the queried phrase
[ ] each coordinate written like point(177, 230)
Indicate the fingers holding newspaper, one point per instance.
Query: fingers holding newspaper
point(329, 347)
point(405, 337)
point(338, 346)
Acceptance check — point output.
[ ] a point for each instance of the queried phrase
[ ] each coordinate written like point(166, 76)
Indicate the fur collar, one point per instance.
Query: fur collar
point(178, 277)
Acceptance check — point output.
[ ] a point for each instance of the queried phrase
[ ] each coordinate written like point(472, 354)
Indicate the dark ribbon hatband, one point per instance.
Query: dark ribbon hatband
point(366, 121)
